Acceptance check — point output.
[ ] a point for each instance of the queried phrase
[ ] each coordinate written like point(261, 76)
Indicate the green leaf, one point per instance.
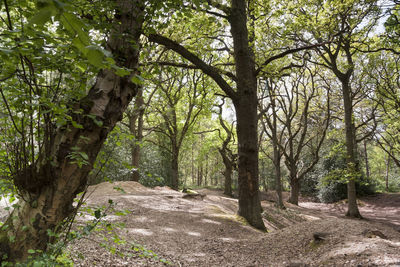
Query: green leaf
point(75, 27)
point(137, 79)
point(31, 251)
point(84, 155)
point(95, 56)
point(76, 125)
point(6, 51)
point(97, 214)
point(122, 72)
point(42, 16)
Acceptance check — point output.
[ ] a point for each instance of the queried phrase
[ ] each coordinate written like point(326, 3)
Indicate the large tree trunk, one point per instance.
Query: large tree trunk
point(246, 112)
point(48, 193)
point(249, 202)
point(175, 168)
point(294, 180)
point(294, 191)
point(351, 150)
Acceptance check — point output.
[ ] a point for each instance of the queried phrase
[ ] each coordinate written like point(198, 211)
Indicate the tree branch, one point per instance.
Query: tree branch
point(206, 68)
point(287, 52)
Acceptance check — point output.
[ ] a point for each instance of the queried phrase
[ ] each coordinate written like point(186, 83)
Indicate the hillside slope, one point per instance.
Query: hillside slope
point(204, 230)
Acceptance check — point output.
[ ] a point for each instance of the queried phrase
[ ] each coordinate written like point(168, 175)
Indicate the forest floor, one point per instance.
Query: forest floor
point(204, 230)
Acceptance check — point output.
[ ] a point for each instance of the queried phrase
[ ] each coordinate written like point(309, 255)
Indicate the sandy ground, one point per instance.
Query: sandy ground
point(164, 225)
point(205, 231)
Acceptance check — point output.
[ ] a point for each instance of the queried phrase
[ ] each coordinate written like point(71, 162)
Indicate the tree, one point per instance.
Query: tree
point(49, 181)
point(136, 120)
point(236, 77)
point(385, 78)
point(303, 110)
point(244, 100)
point(346, 26)
point(181, 98)
point(270, 127)
point(228, 157)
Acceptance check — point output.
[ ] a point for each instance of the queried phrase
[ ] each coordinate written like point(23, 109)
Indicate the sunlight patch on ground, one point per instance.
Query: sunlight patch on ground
point(169, 229)
point(142, 219)
point(310, 218)
point(210, 221)
point(112, 218)
point(218, 212)
point(193, 233)
point(141, 231)
point(353, 248)
point(367, 246)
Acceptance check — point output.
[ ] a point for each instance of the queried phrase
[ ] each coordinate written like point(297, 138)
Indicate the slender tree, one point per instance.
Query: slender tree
point(346, 29)
point(228, 157)
point(181, 98)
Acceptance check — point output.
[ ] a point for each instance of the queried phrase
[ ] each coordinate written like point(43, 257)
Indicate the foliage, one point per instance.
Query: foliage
point(112, 163)
point(328, 182)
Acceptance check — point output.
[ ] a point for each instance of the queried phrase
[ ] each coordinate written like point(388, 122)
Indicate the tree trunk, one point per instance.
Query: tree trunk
point(48, 195)
point(351, 150)
point(367, 173)
point(228, 182)
point(193, 180)
point(294, 191)
point(387, 173)
point(246, 112)
point(264, 177)
point(277, 156)
point(278, 181)
point(136, 128)
point(175, 169)
point(227, 173)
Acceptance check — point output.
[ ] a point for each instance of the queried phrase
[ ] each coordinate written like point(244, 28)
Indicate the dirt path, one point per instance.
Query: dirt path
point(205, 231)
point(383, 208)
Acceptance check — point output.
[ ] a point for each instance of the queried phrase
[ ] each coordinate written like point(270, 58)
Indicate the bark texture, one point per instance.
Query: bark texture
point(246, 114)
point(294, 191)
point(175, 167)
point(47, 195)
point(351, 149)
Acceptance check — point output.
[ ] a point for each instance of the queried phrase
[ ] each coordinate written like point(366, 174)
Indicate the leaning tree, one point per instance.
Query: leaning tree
point(62, 141)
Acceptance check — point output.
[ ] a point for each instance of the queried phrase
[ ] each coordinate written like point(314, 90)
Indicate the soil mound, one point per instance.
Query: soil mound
point(116, 188)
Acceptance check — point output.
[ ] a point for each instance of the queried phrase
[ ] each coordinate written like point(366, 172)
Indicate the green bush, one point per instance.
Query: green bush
point(332, 192)
point(333, 186)
point(309, 185)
